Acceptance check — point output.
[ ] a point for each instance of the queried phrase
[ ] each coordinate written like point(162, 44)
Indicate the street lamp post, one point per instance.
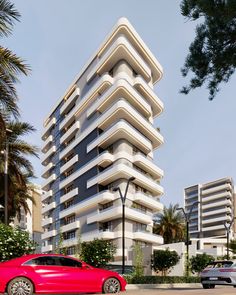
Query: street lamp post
point(123, 199)
point(6, 153)
point(187, 217)
point(227, 228)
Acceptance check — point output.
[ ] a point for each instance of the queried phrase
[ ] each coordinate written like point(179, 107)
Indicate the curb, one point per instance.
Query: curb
point(163, 286)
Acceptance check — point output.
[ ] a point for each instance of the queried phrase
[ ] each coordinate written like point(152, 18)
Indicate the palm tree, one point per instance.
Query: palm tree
point(170, 224)
point(10, 66)
point(20, 169)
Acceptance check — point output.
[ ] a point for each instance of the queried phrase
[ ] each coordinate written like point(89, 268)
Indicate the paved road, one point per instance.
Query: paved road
point(219, 290)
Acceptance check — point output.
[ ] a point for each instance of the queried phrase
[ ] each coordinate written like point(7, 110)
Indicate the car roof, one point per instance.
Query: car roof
point(24, 258)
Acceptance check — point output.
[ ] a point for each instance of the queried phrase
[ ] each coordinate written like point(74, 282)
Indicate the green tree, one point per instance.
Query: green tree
point(212, 54)
point(170, 224)
point(163, 260)
point(14, 242)
point(10, 66)
point(138, 260)
point(232, 246)
point(97, 252)
point(199, 262)
point(20, 169)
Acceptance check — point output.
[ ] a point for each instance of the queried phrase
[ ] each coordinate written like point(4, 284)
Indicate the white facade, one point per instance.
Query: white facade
point(99, 135)
point(215, 208)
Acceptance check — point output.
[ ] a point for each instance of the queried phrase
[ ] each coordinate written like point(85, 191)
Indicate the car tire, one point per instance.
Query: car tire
point(212, 286)
point(20, 285)
point(205, 286)
point(111, 285)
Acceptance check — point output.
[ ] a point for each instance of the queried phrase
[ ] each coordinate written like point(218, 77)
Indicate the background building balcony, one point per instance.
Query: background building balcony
point(48, 207)
point(70, 226)
point(48, 234)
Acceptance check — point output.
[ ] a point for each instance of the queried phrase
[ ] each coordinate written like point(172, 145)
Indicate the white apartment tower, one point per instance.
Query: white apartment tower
point(215, 208)
point(99, 135)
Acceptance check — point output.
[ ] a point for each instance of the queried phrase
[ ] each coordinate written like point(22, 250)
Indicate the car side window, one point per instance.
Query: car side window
point(44, 260)
point(70, 262)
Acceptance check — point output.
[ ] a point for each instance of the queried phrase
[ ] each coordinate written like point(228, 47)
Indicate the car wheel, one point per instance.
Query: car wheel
point(205, 286)
point(111, 285)
point(212, 286)
point(20, 285)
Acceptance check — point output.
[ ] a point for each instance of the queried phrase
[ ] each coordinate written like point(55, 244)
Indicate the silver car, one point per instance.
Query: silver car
point(219, 273)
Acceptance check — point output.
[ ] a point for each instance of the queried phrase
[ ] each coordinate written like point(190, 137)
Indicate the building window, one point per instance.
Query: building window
point(69, 235)
point(139, 227)
point(69, 172)
point(68, 203)
point(106, 206)
point(70, 251)
point(69, 188)
point(70, 219)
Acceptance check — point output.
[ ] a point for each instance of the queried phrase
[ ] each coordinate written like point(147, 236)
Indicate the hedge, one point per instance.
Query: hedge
point(160, 280)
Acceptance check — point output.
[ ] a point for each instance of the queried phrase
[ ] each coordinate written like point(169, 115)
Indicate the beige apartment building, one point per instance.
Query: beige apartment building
point(31, 222)
point(100, 133)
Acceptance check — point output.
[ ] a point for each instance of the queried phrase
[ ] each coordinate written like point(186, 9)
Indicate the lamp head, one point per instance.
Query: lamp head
point(115, 189)
point(132, 178)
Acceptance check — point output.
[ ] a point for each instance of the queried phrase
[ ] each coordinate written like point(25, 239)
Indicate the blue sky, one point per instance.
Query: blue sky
point(57, 37)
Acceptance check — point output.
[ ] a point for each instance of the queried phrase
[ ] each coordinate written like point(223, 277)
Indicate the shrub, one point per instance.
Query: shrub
point(199, 262)
point(160, 279)
point(97, 252)
point(14, 242)
point(163, 260)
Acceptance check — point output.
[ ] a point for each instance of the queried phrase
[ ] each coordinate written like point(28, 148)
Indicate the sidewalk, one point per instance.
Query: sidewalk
point(163, 286)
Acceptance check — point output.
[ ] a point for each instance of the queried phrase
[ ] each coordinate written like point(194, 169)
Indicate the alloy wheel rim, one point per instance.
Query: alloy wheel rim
point(21, 287)
point(113, 286)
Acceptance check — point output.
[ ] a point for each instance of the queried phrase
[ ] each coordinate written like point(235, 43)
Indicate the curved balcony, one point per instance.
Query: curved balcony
point(147, 201)
point(68, 164)
point(70, 132)
point(123, 27)
point(122, 110)
point(142, 87)
point(46, 143)
point(116, 212)
point(147, 165)
point(119, 171)
point(121, 49)
point(49, 180)
point(102, 160)
point(121, 89)
point(100, 198)
point(48, 125)
point(119, 130)
point(71, 98)
point(148, 237)
point(47, 169)
point(48, 154)
point(102, 84)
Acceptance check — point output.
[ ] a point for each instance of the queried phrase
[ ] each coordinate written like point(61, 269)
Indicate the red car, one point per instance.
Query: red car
point(45, 273)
